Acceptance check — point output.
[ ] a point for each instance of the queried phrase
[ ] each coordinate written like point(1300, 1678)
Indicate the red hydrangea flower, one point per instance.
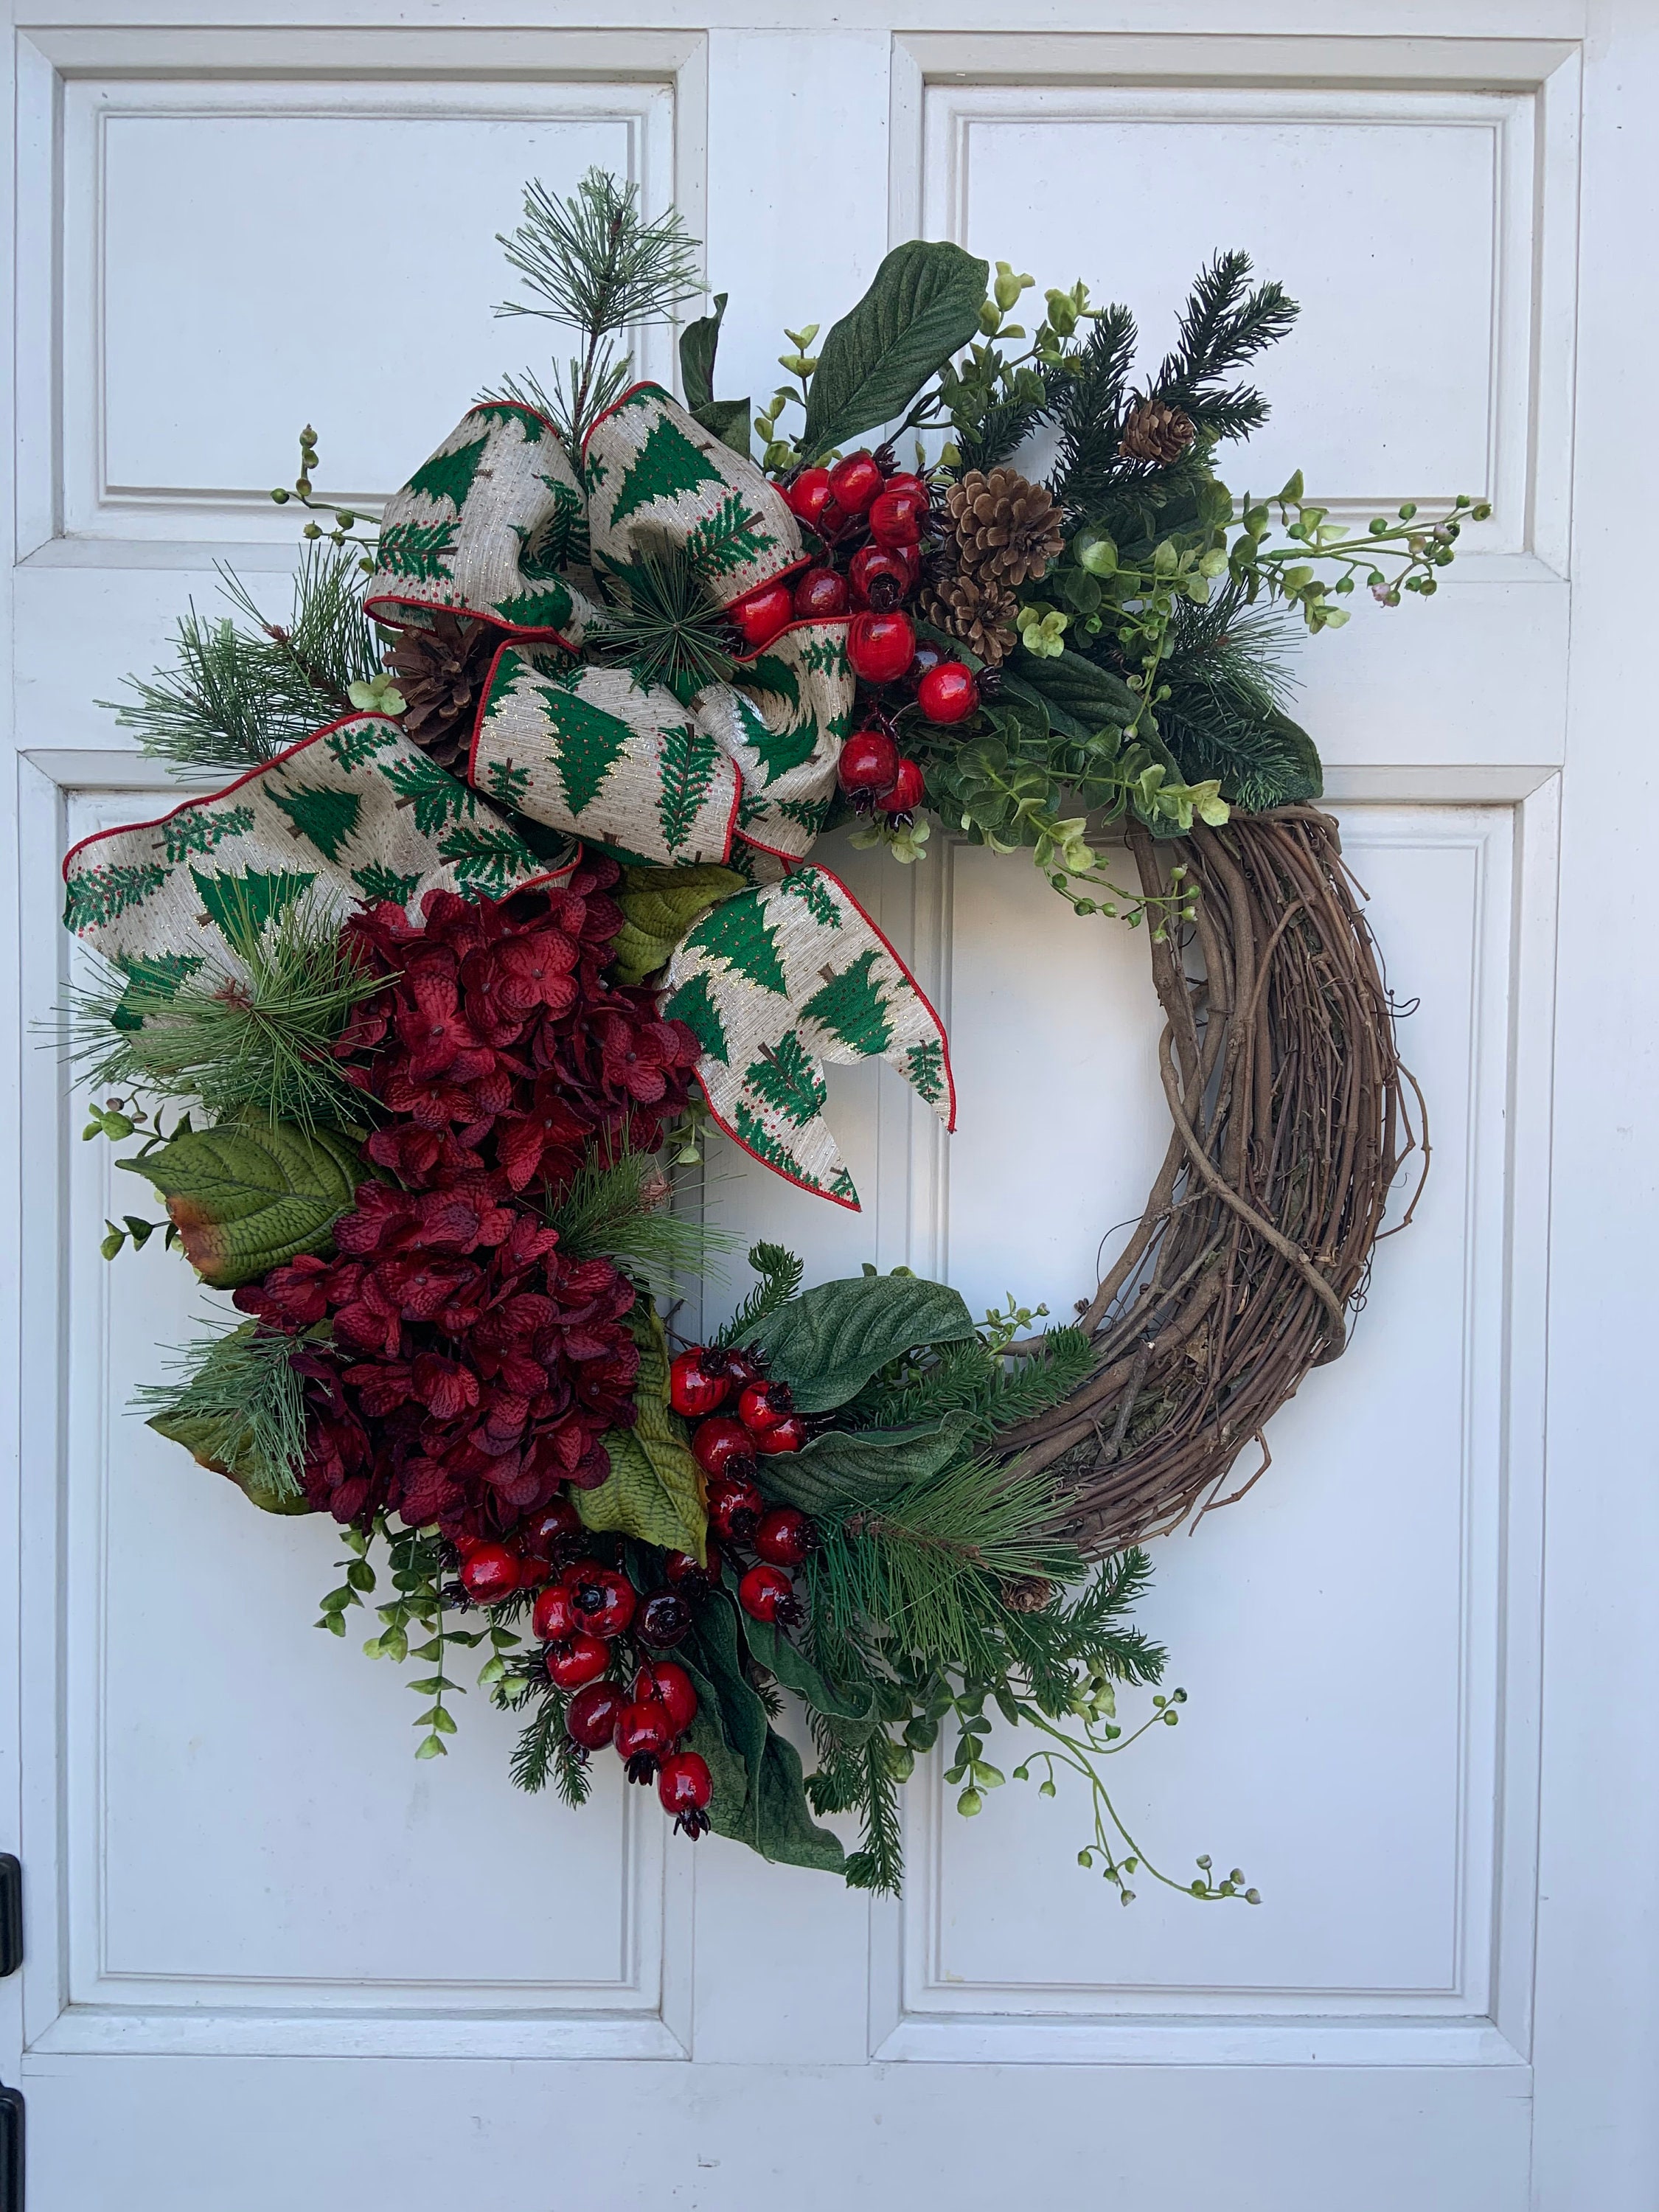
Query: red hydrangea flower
point(471, 1368)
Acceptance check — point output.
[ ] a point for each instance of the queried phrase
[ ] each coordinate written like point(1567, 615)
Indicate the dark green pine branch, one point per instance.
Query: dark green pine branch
point(1089, 409)
point(780, 1273)
point(1224, 325)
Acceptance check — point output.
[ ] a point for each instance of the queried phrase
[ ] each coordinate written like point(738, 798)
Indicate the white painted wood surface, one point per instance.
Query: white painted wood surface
point(271, 1958)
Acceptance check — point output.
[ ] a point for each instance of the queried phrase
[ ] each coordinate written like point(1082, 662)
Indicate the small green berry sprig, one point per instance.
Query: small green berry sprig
point(345, 519)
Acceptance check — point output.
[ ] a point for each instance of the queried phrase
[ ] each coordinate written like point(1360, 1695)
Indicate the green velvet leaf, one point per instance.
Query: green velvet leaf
point(1081, 699)
point(698, 342)
point(859, 1465)
point(922, 307)
point(828, 1343)
point(198, 1436)
point(773, 1817)
point(249, 1194)
point(654, 1489)
point(854, 1710)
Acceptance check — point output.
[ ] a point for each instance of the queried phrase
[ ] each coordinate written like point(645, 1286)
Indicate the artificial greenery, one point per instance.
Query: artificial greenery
point(593, 264)
point(236, 1403)
point(237, 694)
point(256, 1038)
point(622, 1210)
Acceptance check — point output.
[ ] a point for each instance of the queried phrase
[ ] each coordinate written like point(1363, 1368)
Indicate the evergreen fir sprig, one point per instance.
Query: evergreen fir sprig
point(260, 1040)
point(973, 1378)
point(236, 1393)
point(781, 1274)
point(593, 264)
point(1224, 324)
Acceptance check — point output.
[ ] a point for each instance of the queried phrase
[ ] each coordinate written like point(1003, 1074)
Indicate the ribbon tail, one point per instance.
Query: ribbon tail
point(778, 981)
point(356, 811)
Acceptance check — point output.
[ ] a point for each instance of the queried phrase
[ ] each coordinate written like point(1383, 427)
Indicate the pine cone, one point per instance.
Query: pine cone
point(441, 671)
point(1027, 1594)
point(980, 613)
point(1153, 432)
point(1007, 531)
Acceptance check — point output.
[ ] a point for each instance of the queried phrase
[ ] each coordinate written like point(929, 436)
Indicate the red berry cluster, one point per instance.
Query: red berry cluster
point(595, 1629)
point(727, 1446)
point(872, 519)
point(474, 1368)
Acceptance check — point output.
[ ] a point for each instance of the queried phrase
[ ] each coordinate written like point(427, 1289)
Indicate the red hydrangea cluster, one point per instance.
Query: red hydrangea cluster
point(473, 1367)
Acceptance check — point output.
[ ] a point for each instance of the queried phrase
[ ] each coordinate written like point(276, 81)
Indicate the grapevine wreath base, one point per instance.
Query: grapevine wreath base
point(415, 1020)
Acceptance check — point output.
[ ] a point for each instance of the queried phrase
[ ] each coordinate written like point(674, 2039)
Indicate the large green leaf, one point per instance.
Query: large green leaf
point(659, 906)
point(249, 1194)
point(828, 1343)
point(698, 342)
point(759, 1797)
point(654, 1489)
point(727, 418)
point(203, 1440)
point(856, 1712)
point(859, 1465)
point(1081, 698)
point(922, 307)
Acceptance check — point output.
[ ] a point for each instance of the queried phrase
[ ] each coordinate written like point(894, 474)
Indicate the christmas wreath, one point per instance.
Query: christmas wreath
point(417, 1021)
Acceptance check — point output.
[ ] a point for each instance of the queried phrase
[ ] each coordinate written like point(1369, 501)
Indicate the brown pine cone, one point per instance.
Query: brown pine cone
point(1007, 531)
point(1027, 1594)
point(1153, 432)
point(441, 671)
point(979, 612)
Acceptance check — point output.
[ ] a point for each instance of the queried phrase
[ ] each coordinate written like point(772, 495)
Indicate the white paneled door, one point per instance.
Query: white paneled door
point(270, 1961)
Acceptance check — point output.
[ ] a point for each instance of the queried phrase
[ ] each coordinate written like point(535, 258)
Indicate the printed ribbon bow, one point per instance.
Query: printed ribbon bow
point(780, 976)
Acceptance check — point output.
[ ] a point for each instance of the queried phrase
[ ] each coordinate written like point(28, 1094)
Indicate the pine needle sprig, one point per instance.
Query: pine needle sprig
point(245, 1405)
point(593, 264)
point(1229, 677)
point(662, 623)
point(260, 1041)
point(781, 1274)
point(932, 1564)
point(235, 697)
point(620, 1210)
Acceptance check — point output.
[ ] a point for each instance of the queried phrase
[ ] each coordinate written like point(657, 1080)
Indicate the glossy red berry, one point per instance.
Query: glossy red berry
point(904, 480)
point(897, 516)
point(744, 1363)
point(670, 1686)
point(490, 1574)
point(554, 1615)
point(787, 1435)
point(697, 1383)
point(763, 1405)
point(576, 1660)
point(544, 1528)
point(643, 1729)
point(881, 647)
point(591, 1715)
point(763, 613)
point(855, 482)
point(684, 1787)
point(602, 1599)
point(784, 1537)
point(684, 1572)
point(821, 595)
point(722, 1444)
point(909, 787)
point(869, 763)
point(808, 495)
point(948, 693)
point(879, 578)
point(665, 1619)
point(766, 1593)
point(735, 1509)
